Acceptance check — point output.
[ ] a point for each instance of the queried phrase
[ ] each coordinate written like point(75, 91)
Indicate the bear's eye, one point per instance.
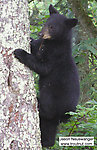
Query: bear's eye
point(51, 27)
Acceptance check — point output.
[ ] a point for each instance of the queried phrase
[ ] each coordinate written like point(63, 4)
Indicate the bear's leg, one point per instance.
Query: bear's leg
point(32, 62)
point(48, 131)
point(65, 118)
point(34, 45)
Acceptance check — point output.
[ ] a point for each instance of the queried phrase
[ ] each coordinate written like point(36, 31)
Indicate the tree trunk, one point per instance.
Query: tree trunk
point(19, 119)
point(83, 17)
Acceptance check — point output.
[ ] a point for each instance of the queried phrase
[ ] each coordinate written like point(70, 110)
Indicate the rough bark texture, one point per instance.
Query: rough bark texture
point(83, 17)
point(19, 119)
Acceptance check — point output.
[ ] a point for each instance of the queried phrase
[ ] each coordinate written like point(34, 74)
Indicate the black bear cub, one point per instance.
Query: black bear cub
point(51, 57)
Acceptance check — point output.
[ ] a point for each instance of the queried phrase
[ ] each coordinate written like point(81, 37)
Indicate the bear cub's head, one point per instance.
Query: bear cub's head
point(57, 27)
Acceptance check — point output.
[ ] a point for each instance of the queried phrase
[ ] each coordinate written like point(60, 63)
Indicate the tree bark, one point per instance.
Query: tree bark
point(19, 117)
point(83, 18)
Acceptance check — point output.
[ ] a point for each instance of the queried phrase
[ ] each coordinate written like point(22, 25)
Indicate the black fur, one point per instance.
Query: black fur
point(51, 57)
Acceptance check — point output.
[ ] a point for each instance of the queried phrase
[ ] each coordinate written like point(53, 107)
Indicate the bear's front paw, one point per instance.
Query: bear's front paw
point(31, 39)
point(20, 55)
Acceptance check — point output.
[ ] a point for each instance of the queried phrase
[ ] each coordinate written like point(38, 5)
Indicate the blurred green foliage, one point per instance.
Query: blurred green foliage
point(84, 121)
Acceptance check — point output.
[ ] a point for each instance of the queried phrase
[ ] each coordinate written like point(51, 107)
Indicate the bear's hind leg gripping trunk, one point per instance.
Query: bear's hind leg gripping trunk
point(48, 131)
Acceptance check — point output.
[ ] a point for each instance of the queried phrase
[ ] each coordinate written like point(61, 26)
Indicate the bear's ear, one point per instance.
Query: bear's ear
point(71, 22)
point(52, 10)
